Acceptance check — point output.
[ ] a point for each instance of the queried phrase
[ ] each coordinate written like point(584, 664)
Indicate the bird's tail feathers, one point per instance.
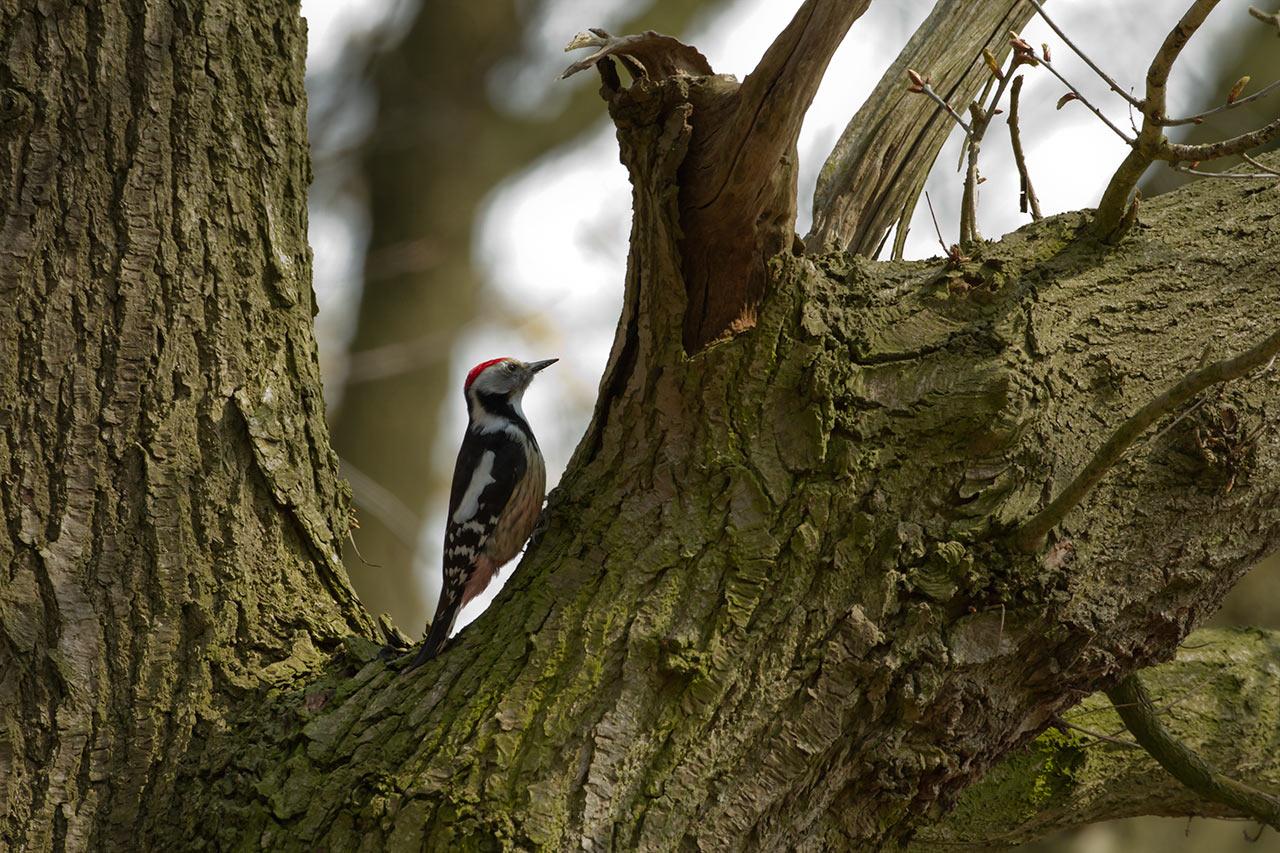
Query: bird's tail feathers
point(441, 627)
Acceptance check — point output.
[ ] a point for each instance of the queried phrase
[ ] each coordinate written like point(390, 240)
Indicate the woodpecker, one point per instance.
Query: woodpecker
point(499, 482)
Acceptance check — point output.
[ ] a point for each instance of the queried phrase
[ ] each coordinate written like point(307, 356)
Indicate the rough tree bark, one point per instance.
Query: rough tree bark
point(774, 604)
point(173, 512)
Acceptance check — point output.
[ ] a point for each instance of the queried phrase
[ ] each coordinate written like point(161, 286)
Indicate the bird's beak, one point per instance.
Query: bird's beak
point(534, 367)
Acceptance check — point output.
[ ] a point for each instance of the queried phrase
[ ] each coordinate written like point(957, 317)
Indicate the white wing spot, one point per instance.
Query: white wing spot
point(482, 477)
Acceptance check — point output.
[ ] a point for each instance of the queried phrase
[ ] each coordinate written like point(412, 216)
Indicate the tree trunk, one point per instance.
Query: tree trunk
point(777, 603)
point(173, 514)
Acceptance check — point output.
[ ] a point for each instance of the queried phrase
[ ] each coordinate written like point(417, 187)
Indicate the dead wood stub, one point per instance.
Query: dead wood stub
point(736, 187)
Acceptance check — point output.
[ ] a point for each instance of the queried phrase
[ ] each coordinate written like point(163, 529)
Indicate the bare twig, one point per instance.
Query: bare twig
point(936, 229)
point(1128, 744)
point(1027, 193)
point(1201, 173)
point(373, 497)
point(1272, 19)
point(1225, 148)
point(1134, 707)
point(921, 84)
point(1261, 166)
point(352, 539)
point(981, 119)
point(1199, 117)
point(1031, 534)
point(976, 129)
point(1115, 87)
point(1082, 99)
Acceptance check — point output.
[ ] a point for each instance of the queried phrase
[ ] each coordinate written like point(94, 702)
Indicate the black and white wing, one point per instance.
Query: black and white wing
point(488, 468)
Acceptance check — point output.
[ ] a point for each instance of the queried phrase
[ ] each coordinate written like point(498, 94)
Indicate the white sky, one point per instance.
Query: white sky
point(553, 240)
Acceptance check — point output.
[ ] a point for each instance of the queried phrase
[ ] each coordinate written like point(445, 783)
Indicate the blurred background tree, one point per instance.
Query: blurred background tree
point(466, 205)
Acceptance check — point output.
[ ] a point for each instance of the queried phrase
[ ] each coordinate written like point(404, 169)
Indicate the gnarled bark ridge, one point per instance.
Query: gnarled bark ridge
point(774, 605)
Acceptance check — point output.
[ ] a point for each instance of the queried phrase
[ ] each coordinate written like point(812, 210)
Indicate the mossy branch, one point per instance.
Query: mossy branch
point(1134, 706)
point(1065, 778)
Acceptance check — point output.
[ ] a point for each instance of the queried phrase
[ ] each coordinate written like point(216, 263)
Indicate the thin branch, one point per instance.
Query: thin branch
point(1027, 192)
point(1201, 173)
point(1191, 410)
point(921, 85)
point(1167, 55)
point(1031, 534)
point(1225, 148)
point(1114, 214)
point(969, 199)
point(396, 358)
point(1272, 19)
point(1082, 99)
point(936, 229)
point(1258, 165)
point(981, 120)
point(1127, 744)
point(1199, 117)
point(1115, 87)
point(1134, 707)
point(402, 522)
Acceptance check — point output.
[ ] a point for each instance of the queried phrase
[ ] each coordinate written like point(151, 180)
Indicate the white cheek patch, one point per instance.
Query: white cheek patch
point(485, 422)
point(482, 477)
point(516, 399)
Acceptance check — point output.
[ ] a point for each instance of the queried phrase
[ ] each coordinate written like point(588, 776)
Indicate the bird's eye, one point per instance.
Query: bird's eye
point(509, 366)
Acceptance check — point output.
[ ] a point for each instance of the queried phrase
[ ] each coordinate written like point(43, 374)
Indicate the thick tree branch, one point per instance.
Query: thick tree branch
point(776, 95)
point(771, 606)
point(771, 587)
point(737, 181)
point(737, 189)
point(1067, 779)
point(874, 175)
